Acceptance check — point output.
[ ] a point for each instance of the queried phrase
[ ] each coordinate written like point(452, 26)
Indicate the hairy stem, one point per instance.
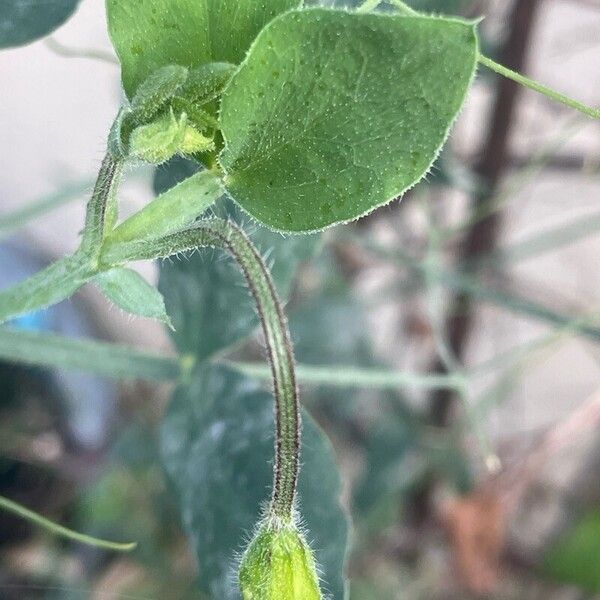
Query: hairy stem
point(55, 528)
point(227, 236)
point(47, 287)
point(101, 204)
point(64, 277)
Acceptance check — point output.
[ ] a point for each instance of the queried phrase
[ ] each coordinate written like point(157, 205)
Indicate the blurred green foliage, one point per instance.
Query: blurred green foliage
point(575, 558)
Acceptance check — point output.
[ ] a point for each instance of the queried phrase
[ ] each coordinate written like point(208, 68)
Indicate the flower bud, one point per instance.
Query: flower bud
point(168, 135)
point(278, 565)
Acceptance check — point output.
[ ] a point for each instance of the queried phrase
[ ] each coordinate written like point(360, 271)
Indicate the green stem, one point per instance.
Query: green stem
point(64, 277)
point(538, 87)
point(67, 52)
point(227, 236)
point(57, 529)
point(125, 362)
point(47, 287)
point(101, 204)
point(92, 356)
point(356, 377)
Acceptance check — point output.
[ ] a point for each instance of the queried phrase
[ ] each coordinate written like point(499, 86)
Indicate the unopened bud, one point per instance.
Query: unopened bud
point(279, 565)
point(162, 139)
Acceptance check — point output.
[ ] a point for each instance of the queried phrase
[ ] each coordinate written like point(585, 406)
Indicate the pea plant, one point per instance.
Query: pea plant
point(301, 118)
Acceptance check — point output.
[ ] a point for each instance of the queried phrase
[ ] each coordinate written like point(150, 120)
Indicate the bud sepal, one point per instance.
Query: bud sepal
point(279, 565)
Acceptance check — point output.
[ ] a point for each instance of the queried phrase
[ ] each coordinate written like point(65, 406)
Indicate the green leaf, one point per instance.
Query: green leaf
point(575, 558)
point(206, 82)
point(155, 92)
point(51, 285)
point(131, 292)
point(150, 34)
point(217, 445)
point(112, 360)
point(387, 444)
point(205, 293)
point(333, 114)
point(24, 21)
point(176, 208)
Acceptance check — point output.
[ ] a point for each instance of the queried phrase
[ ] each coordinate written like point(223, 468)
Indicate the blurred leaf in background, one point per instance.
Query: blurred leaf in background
point(575, 558)
point(205, 293)
point(217, 444)
point(24, 21)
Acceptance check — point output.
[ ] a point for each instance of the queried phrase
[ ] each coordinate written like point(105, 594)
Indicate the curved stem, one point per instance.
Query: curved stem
point(227, 236)
point(57, 529)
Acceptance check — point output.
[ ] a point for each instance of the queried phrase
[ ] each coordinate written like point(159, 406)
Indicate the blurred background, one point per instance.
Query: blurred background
point(487, 272)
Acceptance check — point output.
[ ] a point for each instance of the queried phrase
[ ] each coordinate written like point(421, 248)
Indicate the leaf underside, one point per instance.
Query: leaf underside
point(333, 114)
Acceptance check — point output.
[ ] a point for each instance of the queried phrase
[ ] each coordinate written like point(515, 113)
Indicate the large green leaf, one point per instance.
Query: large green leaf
point(333, 113)
point(217, 445)
point(24, 21)
point(205, 293)
point(149, 34)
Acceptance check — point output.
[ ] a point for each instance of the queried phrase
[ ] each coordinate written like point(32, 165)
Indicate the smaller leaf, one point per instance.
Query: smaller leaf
point(131, 292)
point(206, 82)
point(148, 34)
point(154, 93)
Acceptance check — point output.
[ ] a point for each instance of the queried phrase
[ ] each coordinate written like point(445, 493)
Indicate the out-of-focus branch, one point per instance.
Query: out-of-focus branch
point(483, 237)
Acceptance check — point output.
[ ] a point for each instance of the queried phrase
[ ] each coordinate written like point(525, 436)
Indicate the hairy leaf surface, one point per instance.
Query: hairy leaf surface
point(131, 292)
point(149, 34)
point(333, 113)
